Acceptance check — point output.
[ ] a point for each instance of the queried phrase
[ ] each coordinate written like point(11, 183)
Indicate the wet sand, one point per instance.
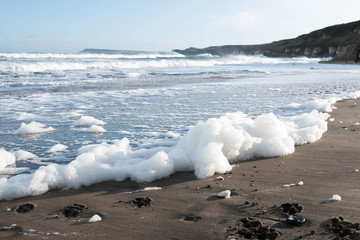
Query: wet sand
point(188, 208)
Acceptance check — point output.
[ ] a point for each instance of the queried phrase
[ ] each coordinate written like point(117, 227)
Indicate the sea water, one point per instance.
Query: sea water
point(68, 120)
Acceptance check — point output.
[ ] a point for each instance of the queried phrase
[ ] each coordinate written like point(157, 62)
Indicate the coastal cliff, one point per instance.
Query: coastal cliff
point(340, 42)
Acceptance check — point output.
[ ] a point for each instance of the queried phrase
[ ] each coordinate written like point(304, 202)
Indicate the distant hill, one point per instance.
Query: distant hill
point(341, 42)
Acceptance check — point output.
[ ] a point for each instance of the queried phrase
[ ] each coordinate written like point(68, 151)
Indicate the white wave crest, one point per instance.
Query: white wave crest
point(116, 64)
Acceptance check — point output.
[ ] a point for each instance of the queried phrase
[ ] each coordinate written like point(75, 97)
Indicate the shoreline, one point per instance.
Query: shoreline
point(188, 208)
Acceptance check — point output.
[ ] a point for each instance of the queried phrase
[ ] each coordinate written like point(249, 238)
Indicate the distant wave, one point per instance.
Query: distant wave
point(116, 64)
point(145, 55)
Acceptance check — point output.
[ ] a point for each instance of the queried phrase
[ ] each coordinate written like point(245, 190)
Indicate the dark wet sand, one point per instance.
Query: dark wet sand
point(187, 208)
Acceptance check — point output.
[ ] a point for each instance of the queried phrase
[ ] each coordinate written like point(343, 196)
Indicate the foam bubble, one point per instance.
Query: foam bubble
point(24, 155)
point(25, 116)
point(88, 121)
point(94, 129)
point(57, 148)
point(6, 158)
point(32, 128)
point(322, 105)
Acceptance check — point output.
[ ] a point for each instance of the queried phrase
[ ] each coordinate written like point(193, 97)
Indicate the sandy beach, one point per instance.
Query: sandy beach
point(189, 208)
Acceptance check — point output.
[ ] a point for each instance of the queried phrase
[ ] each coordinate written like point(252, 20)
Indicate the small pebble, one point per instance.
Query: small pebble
point(295, 220)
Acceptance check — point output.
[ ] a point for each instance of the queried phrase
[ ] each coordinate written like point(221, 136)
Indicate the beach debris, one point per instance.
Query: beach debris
point(224, 194)
point(356, 124)
point(74, 210)
point(356, 170)
point(289, 185)
point(151, 189)
point(344, 229)
point(24, 208)
point(291, 208)
point(140, 202)
point(331, 119)
point(334, 198)
point(251, 228)
point(295, 220)
point(143, 190)
point(300, 183)
point(192, 218)
point(12, 227)
point(206, 187)
point(95, 218)
point(220, 178)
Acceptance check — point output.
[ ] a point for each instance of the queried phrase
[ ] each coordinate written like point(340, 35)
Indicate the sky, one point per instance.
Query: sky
point(68, 26)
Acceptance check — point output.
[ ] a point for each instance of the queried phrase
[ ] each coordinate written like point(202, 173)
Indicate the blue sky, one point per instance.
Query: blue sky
point(162, 25)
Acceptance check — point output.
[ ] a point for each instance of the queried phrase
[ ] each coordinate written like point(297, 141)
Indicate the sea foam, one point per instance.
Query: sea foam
point(209, 147)
point(24, 155)
point(6, 158)
point(88, 121)
point(32, 128)
point(57, 148)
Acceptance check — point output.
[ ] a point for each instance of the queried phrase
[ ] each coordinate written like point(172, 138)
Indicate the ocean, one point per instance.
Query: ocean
point(68, 120)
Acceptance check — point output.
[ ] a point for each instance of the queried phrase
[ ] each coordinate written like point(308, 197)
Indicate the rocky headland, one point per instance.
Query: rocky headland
point(340, 42)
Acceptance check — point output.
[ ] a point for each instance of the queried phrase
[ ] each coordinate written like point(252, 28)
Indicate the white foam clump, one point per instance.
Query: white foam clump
point(88, 121)
point(94, 129)
point(224, 194)
point(13, 170)
point(6, 158)
point(335, 197)
point(57, 148)
point(95, 218)
point(32, 128)
point(322, 105)
point(24, 155)
point(207, 148)
point(25, 116)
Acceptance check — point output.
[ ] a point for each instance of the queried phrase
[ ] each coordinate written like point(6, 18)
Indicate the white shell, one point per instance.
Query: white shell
point(95, 218)
point(335, 197)
point(220, 178)
point(224, 194)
